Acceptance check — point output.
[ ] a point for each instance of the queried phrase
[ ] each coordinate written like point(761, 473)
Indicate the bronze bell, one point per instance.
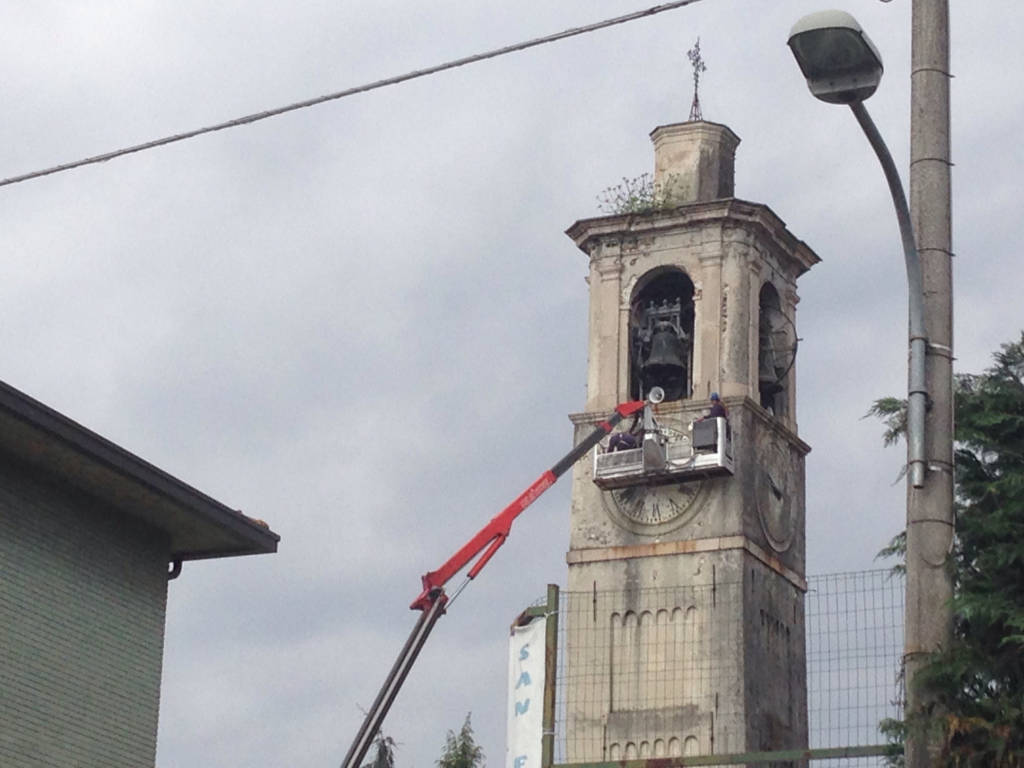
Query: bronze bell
point(769, 374)
point(665, 365)
point(769, 382)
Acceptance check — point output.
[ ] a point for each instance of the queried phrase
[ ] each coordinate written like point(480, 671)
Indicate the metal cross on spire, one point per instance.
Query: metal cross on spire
point(698, 66)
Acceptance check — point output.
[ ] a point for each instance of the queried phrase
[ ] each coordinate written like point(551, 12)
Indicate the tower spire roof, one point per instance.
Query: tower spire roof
point(695, 161)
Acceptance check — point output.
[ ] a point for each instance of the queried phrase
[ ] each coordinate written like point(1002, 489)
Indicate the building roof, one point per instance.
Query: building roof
point(65, 452)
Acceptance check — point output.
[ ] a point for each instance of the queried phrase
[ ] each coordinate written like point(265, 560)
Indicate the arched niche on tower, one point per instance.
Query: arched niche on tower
point(776, 351)
point(661, 334)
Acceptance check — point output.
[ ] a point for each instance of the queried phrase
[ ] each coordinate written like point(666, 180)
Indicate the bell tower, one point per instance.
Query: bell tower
point(685, 629)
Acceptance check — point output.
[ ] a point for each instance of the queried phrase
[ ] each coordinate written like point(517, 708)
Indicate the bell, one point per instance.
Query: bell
point(769, 374)
point(665, 366)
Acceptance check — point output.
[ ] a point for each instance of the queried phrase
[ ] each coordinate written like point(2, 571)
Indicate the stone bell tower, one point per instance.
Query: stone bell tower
point(685, 629)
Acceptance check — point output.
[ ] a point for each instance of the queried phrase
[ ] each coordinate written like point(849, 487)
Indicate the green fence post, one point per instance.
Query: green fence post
point(550, 672)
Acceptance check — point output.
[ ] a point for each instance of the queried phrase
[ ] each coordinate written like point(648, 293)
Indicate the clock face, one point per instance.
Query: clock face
point(775, 493)
point(654, 510)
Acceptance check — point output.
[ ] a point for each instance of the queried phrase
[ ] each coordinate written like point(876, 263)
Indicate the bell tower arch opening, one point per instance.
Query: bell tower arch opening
point(776, 351)
point(661, 334)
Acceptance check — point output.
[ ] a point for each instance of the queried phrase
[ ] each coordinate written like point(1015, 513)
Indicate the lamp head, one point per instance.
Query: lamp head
point(841, 64)
point(656, 395)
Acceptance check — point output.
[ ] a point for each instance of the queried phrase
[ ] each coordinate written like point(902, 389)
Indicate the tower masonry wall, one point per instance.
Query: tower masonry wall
point(775, 683)
point(659, 669)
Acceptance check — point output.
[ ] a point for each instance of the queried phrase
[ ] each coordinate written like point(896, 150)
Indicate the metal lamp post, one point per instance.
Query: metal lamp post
point(843, 67)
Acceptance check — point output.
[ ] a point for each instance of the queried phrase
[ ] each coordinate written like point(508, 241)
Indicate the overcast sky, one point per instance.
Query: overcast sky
point(363, 323)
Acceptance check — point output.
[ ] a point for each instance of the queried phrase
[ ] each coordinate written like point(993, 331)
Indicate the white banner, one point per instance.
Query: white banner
point(525, 695)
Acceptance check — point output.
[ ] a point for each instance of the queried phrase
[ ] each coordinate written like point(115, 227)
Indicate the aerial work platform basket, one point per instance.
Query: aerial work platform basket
point(663, 457)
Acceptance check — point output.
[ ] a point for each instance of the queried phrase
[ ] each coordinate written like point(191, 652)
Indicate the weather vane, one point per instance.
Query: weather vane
point(698, 66)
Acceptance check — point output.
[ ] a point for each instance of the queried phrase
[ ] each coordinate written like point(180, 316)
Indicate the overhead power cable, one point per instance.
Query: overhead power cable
point(257, 116)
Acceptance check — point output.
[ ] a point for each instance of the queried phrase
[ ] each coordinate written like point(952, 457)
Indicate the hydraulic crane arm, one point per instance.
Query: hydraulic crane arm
point(493, 535)
point(485, 543)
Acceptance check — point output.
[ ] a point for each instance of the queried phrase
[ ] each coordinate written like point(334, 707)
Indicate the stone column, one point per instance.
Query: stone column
point(735, 319)
point(603, 364)
point(709, 321)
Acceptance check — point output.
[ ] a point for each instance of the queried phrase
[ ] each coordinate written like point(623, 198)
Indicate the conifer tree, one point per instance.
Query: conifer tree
point(978, 682)
point(461, 750)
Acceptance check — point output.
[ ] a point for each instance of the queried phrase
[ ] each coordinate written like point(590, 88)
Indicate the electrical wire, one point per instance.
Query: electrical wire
point(257, 116)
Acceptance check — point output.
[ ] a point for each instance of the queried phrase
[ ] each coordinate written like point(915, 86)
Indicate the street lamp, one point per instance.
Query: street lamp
point(842, 66)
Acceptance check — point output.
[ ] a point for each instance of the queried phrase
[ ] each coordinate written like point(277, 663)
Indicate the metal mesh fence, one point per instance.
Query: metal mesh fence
point(673, 672)
point(854, 657)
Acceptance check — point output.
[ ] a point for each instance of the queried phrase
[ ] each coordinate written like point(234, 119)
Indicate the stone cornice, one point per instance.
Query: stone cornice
point(708, 127)
point(686, 547)
point(586, 233)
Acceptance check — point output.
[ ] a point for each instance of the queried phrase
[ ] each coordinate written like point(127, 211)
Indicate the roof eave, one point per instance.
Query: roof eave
point(60, 449)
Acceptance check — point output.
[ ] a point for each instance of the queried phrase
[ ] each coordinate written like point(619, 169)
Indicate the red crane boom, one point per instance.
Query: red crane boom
point(432, 600)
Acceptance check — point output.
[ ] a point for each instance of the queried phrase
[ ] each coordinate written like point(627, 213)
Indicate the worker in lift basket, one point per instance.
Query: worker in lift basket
point(717, 409)
point(625, 441)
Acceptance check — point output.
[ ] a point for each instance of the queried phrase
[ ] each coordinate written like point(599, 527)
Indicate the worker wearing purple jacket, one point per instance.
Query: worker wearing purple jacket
point(717, 409)
point(625, 441)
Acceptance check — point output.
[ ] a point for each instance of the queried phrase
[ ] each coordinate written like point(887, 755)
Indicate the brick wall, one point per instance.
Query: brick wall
point(83, 594)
